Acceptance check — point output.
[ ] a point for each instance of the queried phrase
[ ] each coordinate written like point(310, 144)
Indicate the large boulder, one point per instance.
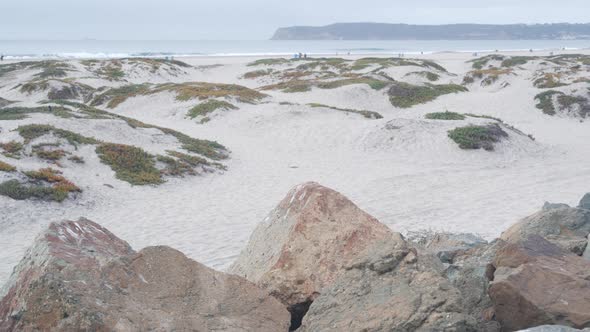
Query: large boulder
point(305, 243)
point(80, 277)
point(536, 282)
point(566, 227)
point(445, 245)
point(390, 287)
point(585, 202)
point(470, 272)
point(467, 259)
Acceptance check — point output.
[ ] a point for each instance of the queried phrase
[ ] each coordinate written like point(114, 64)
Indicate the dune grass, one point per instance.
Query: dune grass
point(480, 63)
point(12, 149)
point(130, 163)
point(184, 92)
point(296, 85)
point(5, 167)
point(19, 191)
point(432, 77)
point(179, 164)
point(405, 95)
point(487, 76)
point(549, 81)
point(51, 155)
point(373, 83)
point(517, 61)
point(19, 113)
point(51, 68)
point(258, 73)
point(202, 91)
point(209, 106)
point(115, 96)
point(209, 149)
point(545, 101)
point(34, 86)
point(364, 113)
point(445, 116)
point(33, 131)
point(478, 137)
point(382, 63)
point(45, 184)
point(269, 62)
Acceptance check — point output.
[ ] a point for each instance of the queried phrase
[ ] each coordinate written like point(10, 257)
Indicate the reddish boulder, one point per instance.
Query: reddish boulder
point(79, 276)
point(305, 243)
point(536, 282)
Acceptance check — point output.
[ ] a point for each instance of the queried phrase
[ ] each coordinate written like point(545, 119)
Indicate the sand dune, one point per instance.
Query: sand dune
point(403, 168)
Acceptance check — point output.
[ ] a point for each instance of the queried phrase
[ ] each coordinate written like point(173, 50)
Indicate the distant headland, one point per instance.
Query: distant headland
point(384, 31)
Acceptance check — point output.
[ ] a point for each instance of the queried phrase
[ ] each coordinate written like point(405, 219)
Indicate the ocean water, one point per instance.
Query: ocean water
point(22, 49)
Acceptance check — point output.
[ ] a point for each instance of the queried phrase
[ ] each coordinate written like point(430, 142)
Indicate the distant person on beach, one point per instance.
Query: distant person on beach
point(305, 56)
point(2, 57)
point(50, 110)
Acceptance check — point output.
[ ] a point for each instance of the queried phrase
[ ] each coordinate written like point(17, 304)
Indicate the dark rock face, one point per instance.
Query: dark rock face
point(79, 276)
point(566, 227)
point(536, 283)
point(390, 288)
point(553, 206)
point(585, 202)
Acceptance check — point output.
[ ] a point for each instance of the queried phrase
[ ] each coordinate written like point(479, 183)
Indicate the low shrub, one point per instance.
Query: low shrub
point(4, 167)
point(364, 113)
point(487, 76)
point(16, 190)
point(517, 61)
point(445, 116)
point(477, 137)
point(269, 62)
point(46, 184)
point(19, 113)
point(52, 155)
point(549, 81)
point(12, 149)
point(405, 95)
point(33, 131)
point(76, 159)
point(545, 101)
point(209, 106)
point(257, 73)
point(130, 163)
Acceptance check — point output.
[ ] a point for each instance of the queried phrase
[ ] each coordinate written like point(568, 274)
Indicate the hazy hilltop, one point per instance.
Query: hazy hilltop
point(383, 31)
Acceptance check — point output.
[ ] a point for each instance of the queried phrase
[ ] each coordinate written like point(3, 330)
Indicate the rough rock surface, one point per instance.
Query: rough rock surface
point(585, 202)
point(536, 283)
point(471, 272)
point(79, 276)
point(446, 245)
point(305, 242)
point(390, 288)
point(566, 227)
point(552, 206)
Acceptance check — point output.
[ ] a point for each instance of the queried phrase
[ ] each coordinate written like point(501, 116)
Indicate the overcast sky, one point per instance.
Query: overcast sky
point(256, 19)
